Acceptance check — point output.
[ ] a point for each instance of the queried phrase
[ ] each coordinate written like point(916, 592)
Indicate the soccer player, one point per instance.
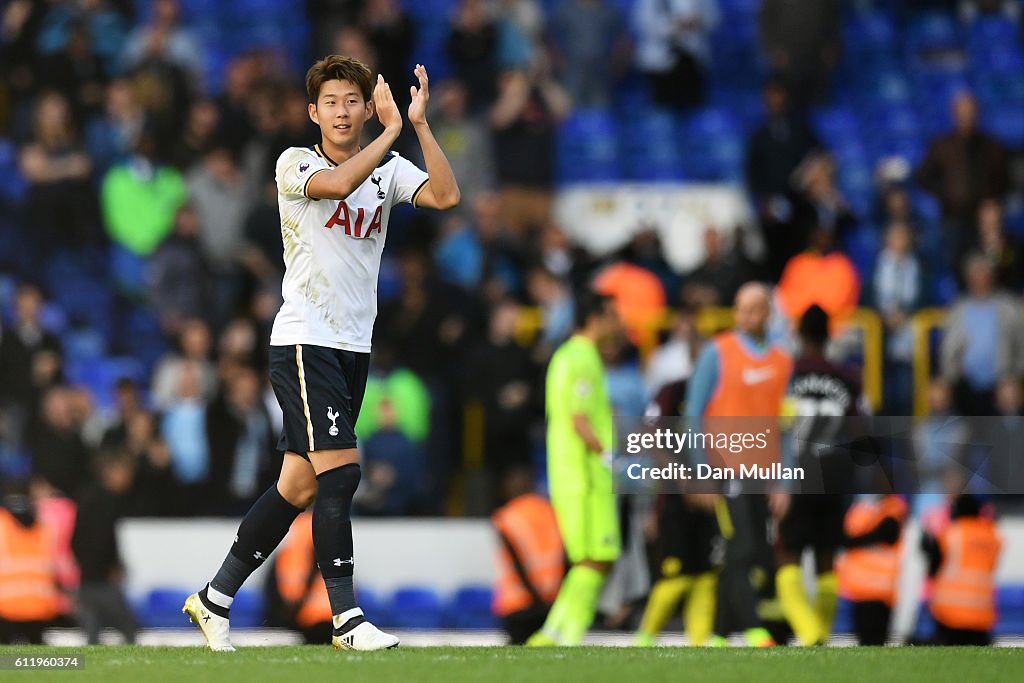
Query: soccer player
point(823, 395)
point(685, 544)
point(335, 199)
point(579, 442)
point(742, 373)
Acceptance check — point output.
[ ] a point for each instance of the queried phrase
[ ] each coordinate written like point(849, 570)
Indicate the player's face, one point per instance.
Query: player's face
point(340, 111)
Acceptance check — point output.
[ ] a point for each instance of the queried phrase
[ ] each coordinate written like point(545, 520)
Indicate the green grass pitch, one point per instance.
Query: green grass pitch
point(306, 664)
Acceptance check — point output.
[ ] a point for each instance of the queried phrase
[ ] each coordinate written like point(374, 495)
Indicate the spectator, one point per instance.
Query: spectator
point(105, 26)
point(529, 107)
point(240, 444)
point(111, 136)
point(262, 252)
point(184, 429)
point(29, 601)
point(502, 376)
point(61, 205)
point(801, 41)
point(390, 34)
point(127, 404)
point(520, 33)
point(673, 48)
point(101, 599)
point(163, 39)
point(897, 294)
point(217, 190)
point(983, 341)
point(21, 22)
point(394, 469)
point(75, 71)
point(894, 206)
point(458, 254)
point(1000, 249)
point(199, 135)
point(473, 52)
point(938, 446)
point(240, 345)
point(591, 50)
point(639, 300)
point(716, 280)
point(421, 326)
point(32, 354)
point(961, 168)
point(140, 198)
point(673, 360)
point(193, 355)
point(59, 456)
point(57, 514)
point(177, 275)
point(153, 486)
point(818, 203)
point(557, 309)
point(241, 77)
point(821, 275)
point(465, 140)
point(775, 150)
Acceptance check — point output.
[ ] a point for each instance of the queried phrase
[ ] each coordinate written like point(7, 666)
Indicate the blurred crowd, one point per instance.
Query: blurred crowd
point(142, 260)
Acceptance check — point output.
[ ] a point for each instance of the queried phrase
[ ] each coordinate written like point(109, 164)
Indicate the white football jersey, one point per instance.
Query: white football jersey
point(332, 249)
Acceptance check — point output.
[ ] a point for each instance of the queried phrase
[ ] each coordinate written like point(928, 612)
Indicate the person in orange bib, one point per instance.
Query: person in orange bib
point(868, 572)
point(742, 373)
point(28, 573)
point(530, 558)
point(304, 602)
point(963, 563)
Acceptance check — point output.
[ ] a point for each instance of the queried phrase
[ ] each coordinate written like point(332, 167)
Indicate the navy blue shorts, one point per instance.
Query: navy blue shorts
point(320, 391)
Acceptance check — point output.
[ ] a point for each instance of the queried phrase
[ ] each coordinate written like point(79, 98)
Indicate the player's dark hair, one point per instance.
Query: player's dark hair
point(589, 303)
point(814, 326)
point(338, 67)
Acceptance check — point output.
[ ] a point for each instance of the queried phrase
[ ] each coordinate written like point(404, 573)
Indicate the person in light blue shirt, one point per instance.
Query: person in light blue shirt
point(983, 341)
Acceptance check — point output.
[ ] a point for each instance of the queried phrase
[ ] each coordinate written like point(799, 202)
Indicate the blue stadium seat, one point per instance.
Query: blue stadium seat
point(248, 610)
point(81, 345)
point(713, 145)
point(992, 29)
point(373, 606)
point(862, 246)
point(932, 32)
point(650, 149)
point(868, 33)
point(101, 376)
point(835, 124)
point(1006, 123)
point(162, 608)
point(470, 608)
point(12, 185)
point(587, 149)
point(416, 607)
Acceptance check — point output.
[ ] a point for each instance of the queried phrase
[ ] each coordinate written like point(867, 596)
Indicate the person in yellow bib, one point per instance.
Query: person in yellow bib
point(579, 442)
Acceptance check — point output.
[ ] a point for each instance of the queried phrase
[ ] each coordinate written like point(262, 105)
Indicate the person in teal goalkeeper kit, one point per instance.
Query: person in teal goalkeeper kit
point(579, 442)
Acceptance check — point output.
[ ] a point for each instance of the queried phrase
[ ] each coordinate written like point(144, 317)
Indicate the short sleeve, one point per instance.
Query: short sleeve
point(409, 181)
point(580, 386)
point(295, 168)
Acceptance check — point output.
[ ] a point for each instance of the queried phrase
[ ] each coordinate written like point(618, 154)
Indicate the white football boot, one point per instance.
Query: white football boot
point(214, 627)
point(364, 636)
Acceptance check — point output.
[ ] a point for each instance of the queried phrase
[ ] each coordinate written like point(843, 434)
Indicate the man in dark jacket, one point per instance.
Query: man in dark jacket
point(101, 600)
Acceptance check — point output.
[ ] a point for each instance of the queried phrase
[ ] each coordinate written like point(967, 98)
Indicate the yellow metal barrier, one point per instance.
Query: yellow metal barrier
point(923, 322)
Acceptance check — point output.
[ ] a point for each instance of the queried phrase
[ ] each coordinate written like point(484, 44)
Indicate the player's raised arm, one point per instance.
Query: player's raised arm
point(329, 114)
point(441, 191)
